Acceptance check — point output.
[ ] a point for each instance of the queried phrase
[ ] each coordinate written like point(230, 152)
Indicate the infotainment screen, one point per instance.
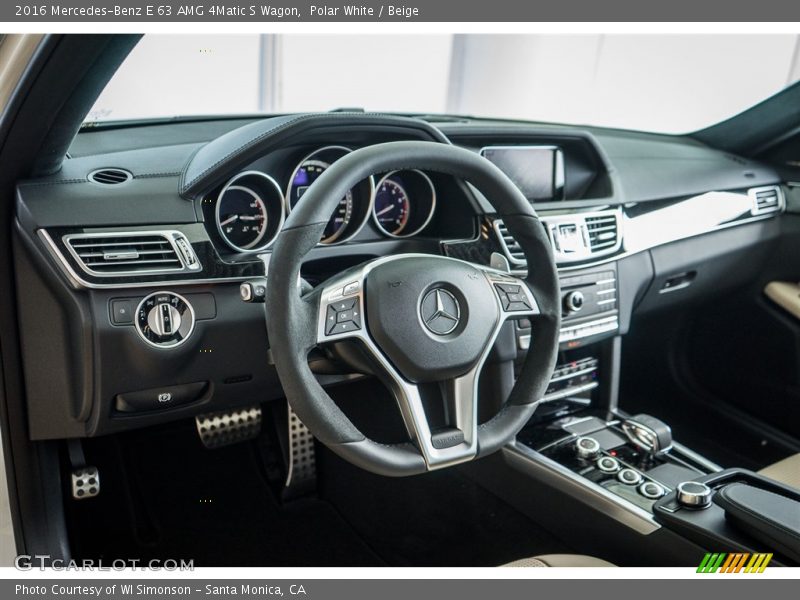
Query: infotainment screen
point(538, 171)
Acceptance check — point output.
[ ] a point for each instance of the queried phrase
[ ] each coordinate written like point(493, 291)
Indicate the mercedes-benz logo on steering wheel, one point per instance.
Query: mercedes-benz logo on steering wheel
point(440, 311)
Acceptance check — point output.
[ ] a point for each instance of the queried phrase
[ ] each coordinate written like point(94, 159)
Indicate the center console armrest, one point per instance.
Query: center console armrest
point(744, 512)
point(771, 518)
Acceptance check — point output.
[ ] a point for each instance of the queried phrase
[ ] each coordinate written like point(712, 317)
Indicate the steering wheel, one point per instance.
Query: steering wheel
point(423, 319)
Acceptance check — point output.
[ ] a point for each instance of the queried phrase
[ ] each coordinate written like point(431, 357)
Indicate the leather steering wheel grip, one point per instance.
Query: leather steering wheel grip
point(292, 319)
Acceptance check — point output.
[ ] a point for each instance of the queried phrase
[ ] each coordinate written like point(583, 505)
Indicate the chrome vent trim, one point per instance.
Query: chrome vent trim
point(603, 232)
point(766, 199)
point(110, 176)
point(127, 253)
point(593, 234)
point(508, 244)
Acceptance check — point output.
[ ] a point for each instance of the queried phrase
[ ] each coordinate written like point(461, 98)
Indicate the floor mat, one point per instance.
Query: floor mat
point(440, 518)
point(211, 506)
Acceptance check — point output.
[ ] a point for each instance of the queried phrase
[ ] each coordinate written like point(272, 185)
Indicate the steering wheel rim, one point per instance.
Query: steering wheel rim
point(295, 322)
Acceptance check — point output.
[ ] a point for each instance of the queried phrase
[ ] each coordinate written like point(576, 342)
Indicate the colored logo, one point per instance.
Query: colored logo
point(735, 562)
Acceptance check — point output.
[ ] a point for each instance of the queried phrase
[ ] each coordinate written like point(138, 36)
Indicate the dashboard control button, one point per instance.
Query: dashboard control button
point(160, 398)
point(165, 320)
point(253, 291)
point(573, 301)
point(587, 447)
point(608, 464)
point(122, 312)
point(693, 494)
point(651, 490)
point(629, 476)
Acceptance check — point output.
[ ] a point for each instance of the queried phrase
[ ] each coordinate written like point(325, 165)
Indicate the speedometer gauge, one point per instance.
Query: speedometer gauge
point(307, 173)
point(352, 210)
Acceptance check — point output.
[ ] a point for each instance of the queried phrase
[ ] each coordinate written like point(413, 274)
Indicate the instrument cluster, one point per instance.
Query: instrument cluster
point(251, 207)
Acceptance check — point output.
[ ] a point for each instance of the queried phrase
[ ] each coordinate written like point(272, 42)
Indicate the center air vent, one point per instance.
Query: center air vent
point(603, 231)
point(110, 176)
point(132, 253)
point(765, 199)
point(575, 237)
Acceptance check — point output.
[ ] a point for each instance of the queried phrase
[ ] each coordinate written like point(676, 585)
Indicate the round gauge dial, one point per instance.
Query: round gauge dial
point(307, 173)
point(353, 209)
point(392, 206)
point(242, 217)
point(404, 203)
point(249, 211)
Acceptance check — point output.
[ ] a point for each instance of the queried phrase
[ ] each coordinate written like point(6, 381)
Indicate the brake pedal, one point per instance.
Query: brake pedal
point(229, 427)
point(85, 478)
point(302, 472)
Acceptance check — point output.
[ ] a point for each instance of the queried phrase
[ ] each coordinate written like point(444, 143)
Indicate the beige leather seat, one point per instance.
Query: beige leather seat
point(786, 471)
point(560, 560)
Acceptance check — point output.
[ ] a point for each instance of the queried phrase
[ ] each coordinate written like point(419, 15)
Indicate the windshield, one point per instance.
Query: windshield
point(660, 83)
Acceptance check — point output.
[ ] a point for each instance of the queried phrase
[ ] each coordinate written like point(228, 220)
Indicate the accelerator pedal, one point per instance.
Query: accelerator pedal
point(301, 475)
point(229, 427)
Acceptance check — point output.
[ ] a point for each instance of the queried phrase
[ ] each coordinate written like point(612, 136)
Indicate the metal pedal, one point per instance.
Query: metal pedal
point(85, 478)
point(302, 472)
point(229, 427)
point(85, 483)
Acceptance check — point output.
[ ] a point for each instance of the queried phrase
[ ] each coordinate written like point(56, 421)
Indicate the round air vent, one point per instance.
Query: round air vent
point(110, 176)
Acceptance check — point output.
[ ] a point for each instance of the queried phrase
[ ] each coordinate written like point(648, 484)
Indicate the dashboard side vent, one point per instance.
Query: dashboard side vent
point(765, 199)
point(110, 176)
point(603, 232)
point(132, 253)
point(509, 245)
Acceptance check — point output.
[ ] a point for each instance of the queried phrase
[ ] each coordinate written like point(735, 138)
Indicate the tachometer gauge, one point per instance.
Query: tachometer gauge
point(392, 207)
point(404, 203)
point(249, 211)
point(352, 210)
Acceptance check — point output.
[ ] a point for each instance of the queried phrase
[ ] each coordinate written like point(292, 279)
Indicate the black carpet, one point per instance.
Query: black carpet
point(165, 496)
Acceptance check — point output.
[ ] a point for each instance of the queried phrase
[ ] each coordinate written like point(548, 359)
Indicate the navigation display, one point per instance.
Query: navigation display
point(538, 171)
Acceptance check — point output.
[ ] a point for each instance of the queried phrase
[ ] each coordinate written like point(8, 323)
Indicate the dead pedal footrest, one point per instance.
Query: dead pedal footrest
point(229, 427)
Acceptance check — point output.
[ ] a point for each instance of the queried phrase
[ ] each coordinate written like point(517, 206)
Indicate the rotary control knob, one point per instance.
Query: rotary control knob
point(608, 464)
point(693, 494)
point(164, 319)
point(587, 447)
point(629, 476)
point(573, 301)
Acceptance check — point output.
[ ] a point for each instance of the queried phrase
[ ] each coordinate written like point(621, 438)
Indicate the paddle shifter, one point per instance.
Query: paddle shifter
point(649, 434)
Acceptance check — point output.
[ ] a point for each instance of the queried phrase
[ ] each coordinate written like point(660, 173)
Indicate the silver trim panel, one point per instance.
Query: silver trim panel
point(529, 461)
point(176, 240)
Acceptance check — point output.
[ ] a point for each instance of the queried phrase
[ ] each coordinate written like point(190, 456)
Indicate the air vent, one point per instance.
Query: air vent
point(132, 253)
point(510, 246)
point(603, 232)
point(765, 200)
point(575, 237)
point(110, 176)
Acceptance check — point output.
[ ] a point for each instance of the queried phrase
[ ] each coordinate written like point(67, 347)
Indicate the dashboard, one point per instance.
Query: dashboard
point(132, 258)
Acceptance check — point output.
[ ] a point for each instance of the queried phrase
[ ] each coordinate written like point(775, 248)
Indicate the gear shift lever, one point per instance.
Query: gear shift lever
point(649, 434)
